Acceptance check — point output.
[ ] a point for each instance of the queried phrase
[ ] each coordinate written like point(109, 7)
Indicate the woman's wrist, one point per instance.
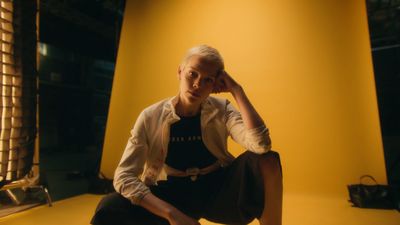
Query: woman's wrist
point(170, 213)
point(236, 90)
point(158, 206)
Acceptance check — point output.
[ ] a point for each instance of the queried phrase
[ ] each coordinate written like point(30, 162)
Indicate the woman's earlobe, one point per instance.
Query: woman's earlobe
point(179, 73)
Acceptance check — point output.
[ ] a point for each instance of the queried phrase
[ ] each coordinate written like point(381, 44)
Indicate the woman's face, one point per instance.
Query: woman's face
point(197, 78)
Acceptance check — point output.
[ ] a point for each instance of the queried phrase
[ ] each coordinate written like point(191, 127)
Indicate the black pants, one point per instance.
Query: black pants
point(230, 195)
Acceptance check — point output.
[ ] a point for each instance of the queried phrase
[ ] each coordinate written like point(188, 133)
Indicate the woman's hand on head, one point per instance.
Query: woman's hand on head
point(224, 83)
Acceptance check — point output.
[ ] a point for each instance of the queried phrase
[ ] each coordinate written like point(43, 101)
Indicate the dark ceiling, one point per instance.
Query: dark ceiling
point(86, 26)
point(93, 26)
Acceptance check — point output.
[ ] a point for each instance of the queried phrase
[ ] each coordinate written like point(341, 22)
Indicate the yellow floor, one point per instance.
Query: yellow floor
point(298, 210)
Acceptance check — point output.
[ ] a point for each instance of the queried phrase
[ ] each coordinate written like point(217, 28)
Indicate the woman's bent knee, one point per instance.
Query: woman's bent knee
point(270, 162)
point(108, 207)
point(113, 201)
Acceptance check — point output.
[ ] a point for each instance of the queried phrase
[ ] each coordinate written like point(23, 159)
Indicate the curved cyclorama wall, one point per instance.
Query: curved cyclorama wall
point(306, 67)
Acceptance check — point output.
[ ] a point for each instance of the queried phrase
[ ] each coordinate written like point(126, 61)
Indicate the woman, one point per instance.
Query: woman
point(185, 138)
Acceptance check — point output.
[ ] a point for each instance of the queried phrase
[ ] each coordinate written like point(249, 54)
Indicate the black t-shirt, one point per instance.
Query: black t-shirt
point(186, 148)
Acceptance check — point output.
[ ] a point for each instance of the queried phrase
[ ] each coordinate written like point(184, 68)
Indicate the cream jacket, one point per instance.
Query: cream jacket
point(142, 162)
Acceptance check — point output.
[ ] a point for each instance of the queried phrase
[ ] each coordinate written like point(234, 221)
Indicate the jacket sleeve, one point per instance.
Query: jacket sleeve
point(256, 139)
point(126, 177)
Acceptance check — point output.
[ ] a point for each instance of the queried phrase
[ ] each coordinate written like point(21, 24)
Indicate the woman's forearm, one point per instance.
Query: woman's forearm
point(250, 116)
point(165, 210)
point(157, 206)
point(226, 83)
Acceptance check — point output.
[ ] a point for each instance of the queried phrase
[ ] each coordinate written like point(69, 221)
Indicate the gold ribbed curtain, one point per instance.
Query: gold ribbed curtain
point(17, 88)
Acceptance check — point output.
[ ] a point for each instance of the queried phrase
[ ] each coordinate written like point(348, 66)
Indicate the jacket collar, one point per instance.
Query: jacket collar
point(208, 110)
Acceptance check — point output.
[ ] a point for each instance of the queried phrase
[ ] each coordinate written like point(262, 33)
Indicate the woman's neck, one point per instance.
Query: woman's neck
point(186, 109)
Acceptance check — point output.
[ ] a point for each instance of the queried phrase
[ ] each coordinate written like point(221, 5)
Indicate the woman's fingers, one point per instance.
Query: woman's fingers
point(224, 83)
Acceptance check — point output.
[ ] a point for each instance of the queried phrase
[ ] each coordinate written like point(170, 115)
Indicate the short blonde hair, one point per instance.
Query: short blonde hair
point(204, 51)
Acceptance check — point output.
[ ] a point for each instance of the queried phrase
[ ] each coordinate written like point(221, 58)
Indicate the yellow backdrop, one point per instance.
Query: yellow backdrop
point(306, 66)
